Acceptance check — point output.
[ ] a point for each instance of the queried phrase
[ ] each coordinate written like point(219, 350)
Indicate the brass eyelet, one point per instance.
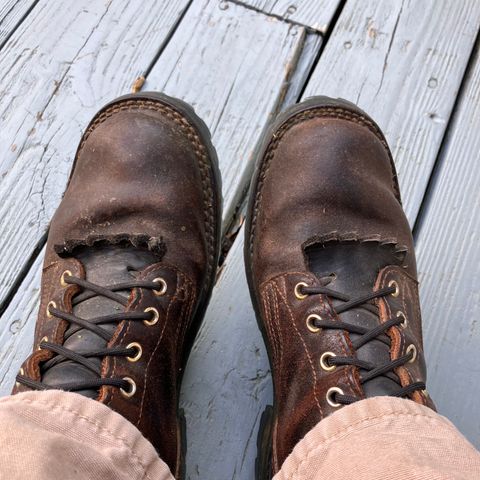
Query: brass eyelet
point(133, 388)
point(138, 355)
point(22, 373)
point(50, 304)
point(404, 319)
point(324, 361)
point(299, 295)
point(311, 322)
point(393, 283)
point(411, 348)
point(155, 318)
point(63, 283)
point(163, 284)
point(331, 391)
point(44, 339)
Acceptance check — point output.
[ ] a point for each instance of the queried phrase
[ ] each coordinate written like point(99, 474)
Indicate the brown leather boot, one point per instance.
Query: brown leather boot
point(331, 270)
point(130, 265)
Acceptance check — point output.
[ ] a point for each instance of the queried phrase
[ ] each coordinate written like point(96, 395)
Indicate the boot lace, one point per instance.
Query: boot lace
point(133, 351)
point(368, 370)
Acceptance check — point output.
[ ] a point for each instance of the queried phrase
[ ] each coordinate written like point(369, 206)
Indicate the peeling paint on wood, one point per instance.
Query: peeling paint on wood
point(11, 14)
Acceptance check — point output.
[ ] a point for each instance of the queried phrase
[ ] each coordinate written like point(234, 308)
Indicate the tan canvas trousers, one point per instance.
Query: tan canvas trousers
point(57, 435)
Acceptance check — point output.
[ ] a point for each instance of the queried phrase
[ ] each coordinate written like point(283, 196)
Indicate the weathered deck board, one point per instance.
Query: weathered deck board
point(449, 267)
point(316, 14)
point(232, 413)
point(403, 65)
point(48, 94)
point(237, 82)
point(17, 326)
point(11, 13)
point(226, 382)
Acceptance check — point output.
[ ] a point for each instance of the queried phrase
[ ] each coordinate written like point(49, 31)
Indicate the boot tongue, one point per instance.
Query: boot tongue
point(107, 265)
point(353, 268)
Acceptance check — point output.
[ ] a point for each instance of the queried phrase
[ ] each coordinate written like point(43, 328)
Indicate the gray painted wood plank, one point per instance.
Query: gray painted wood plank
point(17, 326)
point(226, 382)
point(11, 13)
point(449, 266)
point(224, 402)
point(54, 80)
point(403, 65)
point(235, 67)
point(316, 14)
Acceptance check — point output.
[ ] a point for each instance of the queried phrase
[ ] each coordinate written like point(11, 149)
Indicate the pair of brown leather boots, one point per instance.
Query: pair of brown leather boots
point(132, 255)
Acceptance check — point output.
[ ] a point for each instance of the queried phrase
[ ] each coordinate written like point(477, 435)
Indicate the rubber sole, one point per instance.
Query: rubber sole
point(263, 468)
point(203, 132)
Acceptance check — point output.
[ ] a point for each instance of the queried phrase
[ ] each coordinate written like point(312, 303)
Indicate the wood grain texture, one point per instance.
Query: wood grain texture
point(449, 267)
point(316, 14)
point(403, 65)
point(226, 382)
point(235, 67)
point(17, 326)
point(11, 14)
point(54, 80)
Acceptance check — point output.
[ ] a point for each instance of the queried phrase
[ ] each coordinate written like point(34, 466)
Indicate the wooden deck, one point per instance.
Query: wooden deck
point(413, 65)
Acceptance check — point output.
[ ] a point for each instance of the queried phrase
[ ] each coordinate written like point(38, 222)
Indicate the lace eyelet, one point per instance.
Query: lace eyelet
point(412, 349)
point(393, 283)
point(50, 304)
point(138, 355)
point(311, 323)
point(63, 283)
point(404, 323)
point(324, 361)
point(298, 294)
point(330, 393)
point(133, 388)
point(163, 289)
point(155, 318)
point(44, 339)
